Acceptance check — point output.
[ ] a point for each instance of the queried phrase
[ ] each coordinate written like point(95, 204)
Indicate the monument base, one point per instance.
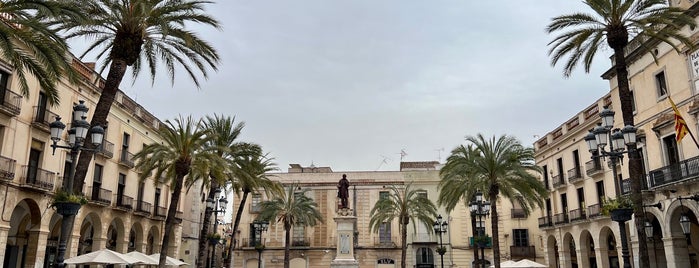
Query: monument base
point(344, 264)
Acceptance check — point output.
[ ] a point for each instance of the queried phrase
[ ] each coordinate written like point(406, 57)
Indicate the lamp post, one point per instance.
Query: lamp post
point(76, 136)
point(685, 223)
point(211, 205)
point(480, 208)
point(259, 227)
point(440, 227)
point(618, 140)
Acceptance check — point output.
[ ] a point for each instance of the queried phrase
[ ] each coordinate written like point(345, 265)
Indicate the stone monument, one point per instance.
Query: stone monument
point(345, 220)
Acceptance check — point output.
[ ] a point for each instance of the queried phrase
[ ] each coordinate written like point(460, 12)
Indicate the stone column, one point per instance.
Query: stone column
point(4, 231)
point(564, 258)
point(73, 246)
point(344, 257)
point(676, 254)
point(36, 248)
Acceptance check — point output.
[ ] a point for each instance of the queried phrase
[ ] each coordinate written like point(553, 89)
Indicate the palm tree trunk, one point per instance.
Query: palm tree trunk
point(238, 214)
point(287, 245)
point(117, 69)
point(206, 221)
point(493, 195)
point(635, 165)
point(170, 221)
point(403, 242)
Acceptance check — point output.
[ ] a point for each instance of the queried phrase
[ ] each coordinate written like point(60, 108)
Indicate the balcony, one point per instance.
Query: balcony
point(99, 196)
point(300, 242)
point(179, 215)
point(593, 167)
point(160, 213)
point(594, 211)
point(385, 242)
point(518, 213)
point(251, 242)
point(11, 102)
point(143, 208)
point(560, 218)
point(686, 169)
point(424, 238)
point(126, 159)
point(42, 118)
point(558, 181)
point(545, 222)
point(524, 252)
point(106, 149)
point(488, 244)
point(124, 202)
point(625, 186)
point(7, 168)
point(575, 175)
point(577, 215)
point(37, 179)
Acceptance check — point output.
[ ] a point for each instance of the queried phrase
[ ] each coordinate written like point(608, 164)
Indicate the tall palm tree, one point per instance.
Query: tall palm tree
point(139, 34)
point(181, 153)
point(252, 175)
point(30, 43)
point(403, 204)
point(615, 22)
point(224, 144)
point(292, 208)
point(498, 167)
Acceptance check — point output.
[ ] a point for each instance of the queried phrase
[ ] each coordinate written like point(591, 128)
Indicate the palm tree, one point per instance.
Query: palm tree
point(224, 144)
point(498, 167)
point(252, 175)
point(181, 153)
point(403, 204)
point(293, 208)
point(140, 33)
point(30, 43)
point(614, 22)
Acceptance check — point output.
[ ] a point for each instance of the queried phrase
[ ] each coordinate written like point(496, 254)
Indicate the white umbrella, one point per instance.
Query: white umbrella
point(529, 264)
point(169, 261)
point(102, 256)
point(508, 264)
point(145, 259)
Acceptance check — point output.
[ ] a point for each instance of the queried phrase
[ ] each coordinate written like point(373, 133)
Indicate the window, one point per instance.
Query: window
point(383, 195)
point(546, 176)
point(633, 101)
point(255, 203)
point(96, 182)
point(521, 237)
point(41, 108)
point(559, 162)
point(422, 194)
point(600, 192)
point(672, 155)
point(156, 201)
point(385, 233)
point(120, 189)
point(576, 163)
point(298, 235)
point(661, 84)
point(125, 147)
point(424, 258)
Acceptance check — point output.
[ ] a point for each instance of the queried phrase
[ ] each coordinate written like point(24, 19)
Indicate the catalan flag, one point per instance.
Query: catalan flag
point(681, 128)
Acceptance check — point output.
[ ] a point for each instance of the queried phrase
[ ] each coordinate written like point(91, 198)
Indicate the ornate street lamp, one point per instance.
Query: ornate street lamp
point(259, 227)
point(480, 208)
point(440, 227)
point(76, 137)
point(211, 205)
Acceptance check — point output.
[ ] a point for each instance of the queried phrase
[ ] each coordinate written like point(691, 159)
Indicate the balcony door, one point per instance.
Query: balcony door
point(97, 182)
point(33, 165)
point(120, 189)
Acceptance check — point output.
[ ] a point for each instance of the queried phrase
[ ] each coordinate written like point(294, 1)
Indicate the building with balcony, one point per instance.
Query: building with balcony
point(122, 214)
point(575, 233)
point(316, 246)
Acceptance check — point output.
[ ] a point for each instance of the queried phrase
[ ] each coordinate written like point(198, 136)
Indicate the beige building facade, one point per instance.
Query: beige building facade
point(316, 246)
point(123, 214)
point(575, 233)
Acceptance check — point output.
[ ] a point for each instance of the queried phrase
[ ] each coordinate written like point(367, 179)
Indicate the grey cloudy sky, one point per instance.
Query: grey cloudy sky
point(349, 83)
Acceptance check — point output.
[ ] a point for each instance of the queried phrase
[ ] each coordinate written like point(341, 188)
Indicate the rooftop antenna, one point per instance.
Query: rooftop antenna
point(439, 154)
point(402, 154)
point(384, 160)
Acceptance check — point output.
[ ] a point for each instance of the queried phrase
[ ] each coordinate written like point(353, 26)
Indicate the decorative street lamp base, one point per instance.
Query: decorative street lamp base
point(67, 208)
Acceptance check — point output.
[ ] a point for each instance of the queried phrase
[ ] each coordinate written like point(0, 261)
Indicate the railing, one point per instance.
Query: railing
point(37, 178)
point(179, 215)
point(545, 222)
point(594, 210)
point(423, 238)
point(161, 211)
point(558, 181)
point(625, 186)
point(688, 168)
point(7, 168)
point(522, 252)
point(300, 242)
point(124, 201)
point(43, 117)
point(473, 243)
point(251, 242)
point(11, 102)
point(385, 242)
point(106, 149)
point(577, 214)
point(560, 218)
point(574, 175)
point(518, 213)
point(126, 158)
point(143, 207)
point(100, 195)
point(593, 167)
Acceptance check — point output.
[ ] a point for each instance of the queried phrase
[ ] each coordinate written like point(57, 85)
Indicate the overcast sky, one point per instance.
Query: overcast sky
point(350, 83)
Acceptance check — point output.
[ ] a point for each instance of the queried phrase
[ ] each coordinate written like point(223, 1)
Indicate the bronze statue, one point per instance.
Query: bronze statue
point(343, 191)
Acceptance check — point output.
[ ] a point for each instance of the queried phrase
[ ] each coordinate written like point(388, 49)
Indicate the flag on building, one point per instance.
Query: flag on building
point(681, 128)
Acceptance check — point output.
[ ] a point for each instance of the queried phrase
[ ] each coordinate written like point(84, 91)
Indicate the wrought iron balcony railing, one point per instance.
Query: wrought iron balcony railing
point(385, 242)
point(300, 241)
point(558, 181)
point(106, 149)
point(524, 252)
point(577, 214)
point(625, 186)
point(99, 196)
point(42, 117)
point(682, 170)
point(38, 178)
point(545, 222)
point(143, 208)
point(126, 158)
point(560, 218)
point(125, 202)
point(7, 168)
point(518, 213)
point(575, 175)
point(161, 211)
point(593, 167)
point(11, 102)
point(594, 210)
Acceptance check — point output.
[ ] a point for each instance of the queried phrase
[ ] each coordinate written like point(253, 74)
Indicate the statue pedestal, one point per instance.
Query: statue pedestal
point(344, 257)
